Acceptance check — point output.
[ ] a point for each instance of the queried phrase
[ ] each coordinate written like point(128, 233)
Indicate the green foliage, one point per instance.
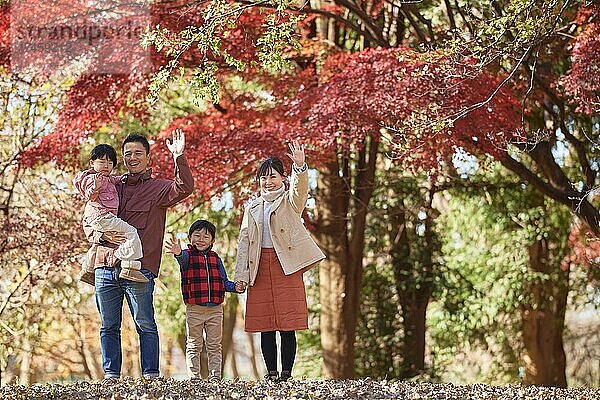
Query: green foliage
point(205, 83)
point(399, 202)
point(275, 40)
point(309, 357)
point(488, 231)
point(379, 339)
point(505, 30)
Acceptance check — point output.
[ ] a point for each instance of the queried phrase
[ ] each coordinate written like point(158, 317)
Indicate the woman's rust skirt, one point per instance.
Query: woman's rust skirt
point(276, 302)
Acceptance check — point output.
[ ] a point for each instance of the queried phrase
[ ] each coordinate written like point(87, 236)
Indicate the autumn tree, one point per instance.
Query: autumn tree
point(429, 103)
point(39, 243)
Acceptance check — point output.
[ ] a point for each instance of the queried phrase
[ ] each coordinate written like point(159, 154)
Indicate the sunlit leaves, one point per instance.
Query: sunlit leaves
point(211, 35)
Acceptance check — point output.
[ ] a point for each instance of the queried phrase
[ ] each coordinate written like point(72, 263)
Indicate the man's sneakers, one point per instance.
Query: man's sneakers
point(151, 378)
point(110, 381)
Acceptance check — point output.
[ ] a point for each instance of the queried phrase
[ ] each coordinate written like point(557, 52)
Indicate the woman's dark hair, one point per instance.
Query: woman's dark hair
point(202, 224)
point(269, 164)
point(136, 137)
point(102, 151)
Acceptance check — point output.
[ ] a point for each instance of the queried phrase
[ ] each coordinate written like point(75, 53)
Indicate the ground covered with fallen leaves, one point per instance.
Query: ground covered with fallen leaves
point(169, 389)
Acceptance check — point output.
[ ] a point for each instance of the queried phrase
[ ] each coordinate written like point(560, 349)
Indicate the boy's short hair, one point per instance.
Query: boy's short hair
point(136, 137)
point(104, 151)
point(202, 224)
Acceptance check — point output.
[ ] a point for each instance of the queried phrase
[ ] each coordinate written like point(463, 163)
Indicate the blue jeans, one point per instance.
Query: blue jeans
point(110, 291)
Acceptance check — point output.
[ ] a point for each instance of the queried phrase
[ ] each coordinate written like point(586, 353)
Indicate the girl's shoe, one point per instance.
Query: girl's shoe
point(285, 375)
point(272, 376)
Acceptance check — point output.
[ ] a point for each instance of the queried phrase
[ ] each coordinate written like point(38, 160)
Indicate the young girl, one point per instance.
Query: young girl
point(98, 187)
point(274, 249)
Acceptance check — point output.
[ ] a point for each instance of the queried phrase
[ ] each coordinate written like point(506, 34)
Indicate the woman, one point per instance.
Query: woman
point(274, 249)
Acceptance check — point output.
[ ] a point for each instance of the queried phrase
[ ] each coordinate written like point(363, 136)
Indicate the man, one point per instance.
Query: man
point(143, 203)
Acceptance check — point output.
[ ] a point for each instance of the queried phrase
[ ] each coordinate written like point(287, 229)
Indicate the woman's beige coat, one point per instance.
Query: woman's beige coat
point(293, 245)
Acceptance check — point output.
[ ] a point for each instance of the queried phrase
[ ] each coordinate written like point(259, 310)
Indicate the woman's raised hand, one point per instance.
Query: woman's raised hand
point(297, 153)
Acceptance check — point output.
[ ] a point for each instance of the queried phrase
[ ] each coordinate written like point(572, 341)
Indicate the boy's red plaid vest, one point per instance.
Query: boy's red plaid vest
point(201, 281)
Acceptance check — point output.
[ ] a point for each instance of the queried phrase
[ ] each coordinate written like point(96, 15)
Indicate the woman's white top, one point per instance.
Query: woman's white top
point(269, 198)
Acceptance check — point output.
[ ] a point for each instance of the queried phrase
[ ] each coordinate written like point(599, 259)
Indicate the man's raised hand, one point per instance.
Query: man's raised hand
point(177, 144)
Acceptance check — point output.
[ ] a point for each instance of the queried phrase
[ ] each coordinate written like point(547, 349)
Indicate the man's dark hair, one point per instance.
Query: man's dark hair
point(136, 137)
point(203, 224)
point(269, 164)
point(102, 151)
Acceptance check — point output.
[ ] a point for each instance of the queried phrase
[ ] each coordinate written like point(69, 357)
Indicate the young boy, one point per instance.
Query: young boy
point(98, 187)
point(203, 285)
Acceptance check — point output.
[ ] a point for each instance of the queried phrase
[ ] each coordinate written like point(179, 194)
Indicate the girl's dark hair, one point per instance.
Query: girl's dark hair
point(270, 163)
point(202, 224)
point(136, 137)
point(102, 151)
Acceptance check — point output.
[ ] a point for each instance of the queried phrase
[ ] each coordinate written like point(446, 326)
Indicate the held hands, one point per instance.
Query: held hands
point(177, 144)
point(297, 153)
point(240, 286)
point(173, 247)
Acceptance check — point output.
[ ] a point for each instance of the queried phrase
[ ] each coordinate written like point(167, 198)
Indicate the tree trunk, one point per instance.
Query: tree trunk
point(414, 313)
point(91, 365)
point(340, 231)
point(181, 341)
point(229, 319)
point(543, 321)
point(25, 368)
point(204, 361)
point(234, 368)
point(338, 322)
point(413, 285)
point(253, 361)
point(166, 357)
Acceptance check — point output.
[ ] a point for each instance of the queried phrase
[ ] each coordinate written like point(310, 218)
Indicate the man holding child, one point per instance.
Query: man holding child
point(143, 203)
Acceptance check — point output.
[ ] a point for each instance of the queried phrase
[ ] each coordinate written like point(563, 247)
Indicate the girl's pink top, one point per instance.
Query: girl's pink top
point(108, 198)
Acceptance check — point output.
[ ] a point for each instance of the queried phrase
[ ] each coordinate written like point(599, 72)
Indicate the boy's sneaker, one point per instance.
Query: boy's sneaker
point(214, 377)
point(285, 375)
point(272, 376)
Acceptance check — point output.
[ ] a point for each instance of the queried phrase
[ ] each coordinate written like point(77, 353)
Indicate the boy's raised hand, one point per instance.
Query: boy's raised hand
point(177, 145)
point(172, 246)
